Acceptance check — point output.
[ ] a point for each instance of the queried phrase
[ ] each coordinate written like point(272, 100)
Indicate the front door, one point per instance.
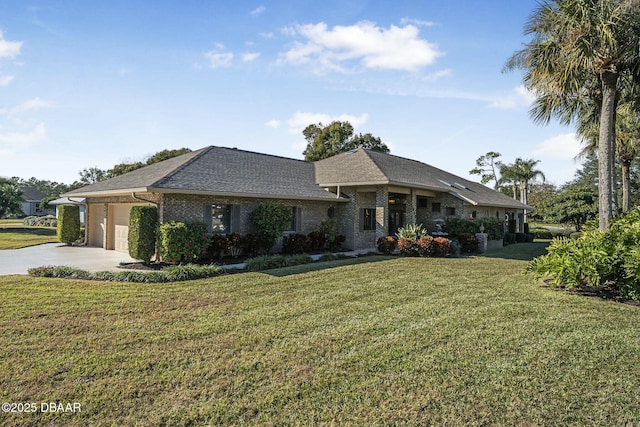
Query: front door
point(396, 218)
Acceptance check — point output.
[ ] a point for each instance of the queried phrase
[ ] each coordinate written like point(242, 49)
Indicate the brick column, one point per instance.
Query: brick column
point(412, 204)
point(382, 211)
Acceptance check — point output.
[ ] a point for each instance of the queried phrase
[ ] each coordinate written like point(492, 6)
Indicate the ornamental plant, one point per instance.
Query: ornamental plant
point(426, 246)
point(408, 247)
point(183, 242)
point(386, 245)
point(412, 231)
point(441, 247)
point(143, 232)
point(68, 230)
point(270, 220)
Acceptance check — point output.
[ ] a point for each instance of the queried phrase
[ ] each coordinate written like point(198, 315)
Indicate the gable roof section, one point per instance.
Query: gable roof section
point(218, 171)
point(30, 194)
point(366, 167)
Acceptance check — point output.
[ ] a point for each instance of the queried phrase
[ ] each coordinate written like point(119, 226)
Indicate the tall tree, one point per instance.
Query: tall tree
point(10, 198)
point(336, 138)
point(487, 167)
point(580, 50)
point(92, 175)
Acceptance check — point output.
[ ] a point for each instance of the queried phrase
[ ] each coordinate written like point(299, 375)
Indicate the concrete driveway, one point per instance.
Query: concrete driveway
point(18, 261)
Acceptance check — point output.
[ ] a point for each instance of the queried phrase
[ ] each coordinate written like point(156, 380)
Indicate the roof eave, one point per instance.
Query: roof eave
point(330, 196)
point(108, 193)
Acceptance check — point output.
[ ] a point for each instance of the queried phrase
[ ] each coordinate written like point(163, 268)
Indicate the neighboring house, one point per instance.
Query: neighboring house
point(371, 194)
point(67, 201)
point(31, 202)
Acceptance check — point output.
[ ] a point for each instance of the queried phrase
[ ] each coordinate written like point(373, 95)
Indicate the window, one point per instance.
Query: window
point(295, 218)
point(368, 219)
point(422, 202)
point(449, 211)
point(221, 219)
point(435, 207)
point(331, 212)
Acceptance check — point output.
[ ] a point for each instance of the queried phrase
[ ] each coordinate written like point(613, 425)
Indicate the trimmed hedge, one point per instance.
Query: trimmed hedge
point(182, 242)
point(68, 230)
point(143, 232)
point(175, 273)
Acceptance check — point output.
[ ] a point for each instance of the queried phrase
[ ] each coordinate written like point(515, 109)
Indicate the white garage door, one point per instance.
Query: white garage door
point(121, 227)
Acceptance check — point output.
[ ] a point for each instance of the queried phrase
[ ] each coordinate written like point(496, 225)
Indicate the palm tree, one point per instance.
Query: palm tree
point(627, 143)
point(508, 176)
point(579, 53)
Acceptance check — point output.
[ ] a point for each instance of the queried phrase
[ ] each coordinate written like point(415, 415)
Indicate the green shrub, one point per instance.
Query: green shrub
point(455, 247)
point(143, 232)
point(541, 233)
point(386, 245)
point(456, 226)
point(169, 274)
point(509, 238)
point(68, 230)
point(330, 229)
point(521, 237)
point(268, 262)
point(329, 256)
point(511, 226)
point(412, 231)
point(596, 259)
point(270, 220)
point(494, 227)
point(183, 242)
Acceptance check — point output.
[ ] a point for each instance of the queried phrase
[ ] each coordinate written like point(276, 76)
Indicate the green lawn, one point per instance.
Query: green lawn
point(411, 341)
point(14, 234)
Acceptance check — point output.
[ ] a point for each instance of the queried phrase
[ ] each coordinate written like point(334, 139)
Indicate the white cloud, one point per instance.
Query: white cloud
point(393, 48)
point(9, 49)
point(4, 81)
point(250, 56)
point(418, 22)
point(219, 59)
point(519, 97)
point(29, 105)
point(24, 139)
point(258, 11)
point(300, 120)
point(432, 77)
point(274, 123)
point(564, 146)
point(266, 35)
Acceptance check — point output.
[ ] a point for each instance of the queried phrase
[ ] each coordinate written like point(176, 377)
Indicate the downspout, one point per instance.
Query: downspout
point(156, 256)
point(86, 218)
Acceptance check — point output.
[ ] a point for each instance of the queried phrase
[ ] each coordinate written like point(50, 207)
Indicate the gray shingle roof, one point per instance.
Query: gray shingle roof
point(366, 167)
point(30, 194)
point(219, 171)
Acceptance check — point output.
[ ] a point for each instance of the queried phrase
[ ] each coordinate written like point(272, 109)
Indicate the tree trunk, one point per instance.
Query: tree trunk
point(626, 185)
point(605, 149)
point(523, 197)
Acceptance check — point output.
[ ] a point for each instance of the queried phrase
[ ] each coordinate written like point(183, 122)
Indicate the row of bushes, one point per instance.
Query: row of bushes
point(494, 227)
point(510, 238)
point(41, 221)
point(182, 242)
point(596, 260)
point(174, 273)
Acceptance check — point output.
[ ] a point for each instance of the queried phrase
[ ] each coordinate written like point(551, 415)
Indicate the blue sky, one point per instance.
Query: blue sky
point(86, 83)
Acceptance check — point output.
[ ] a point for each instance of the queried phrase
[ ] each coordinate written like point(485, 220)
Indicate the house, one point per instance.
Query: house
point(371, 194)
point(67, 201)
point(31, 202)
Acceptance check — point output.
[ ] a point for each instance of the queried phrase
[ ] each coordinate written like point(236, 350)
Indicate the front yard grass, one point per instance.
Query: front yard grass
point(15, 237)
point(413, 341)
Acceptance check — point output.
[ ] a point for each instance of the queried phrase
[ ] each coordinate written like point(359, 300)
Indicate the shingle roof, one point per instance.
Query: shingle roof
point(219, 171)
point(30, 194)
point(366, 167)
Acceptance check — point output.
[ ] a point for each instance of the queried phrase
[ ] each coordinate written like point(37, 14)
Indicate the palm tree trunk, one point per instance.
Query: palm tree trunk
point(626, 185)
point(605, 149)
